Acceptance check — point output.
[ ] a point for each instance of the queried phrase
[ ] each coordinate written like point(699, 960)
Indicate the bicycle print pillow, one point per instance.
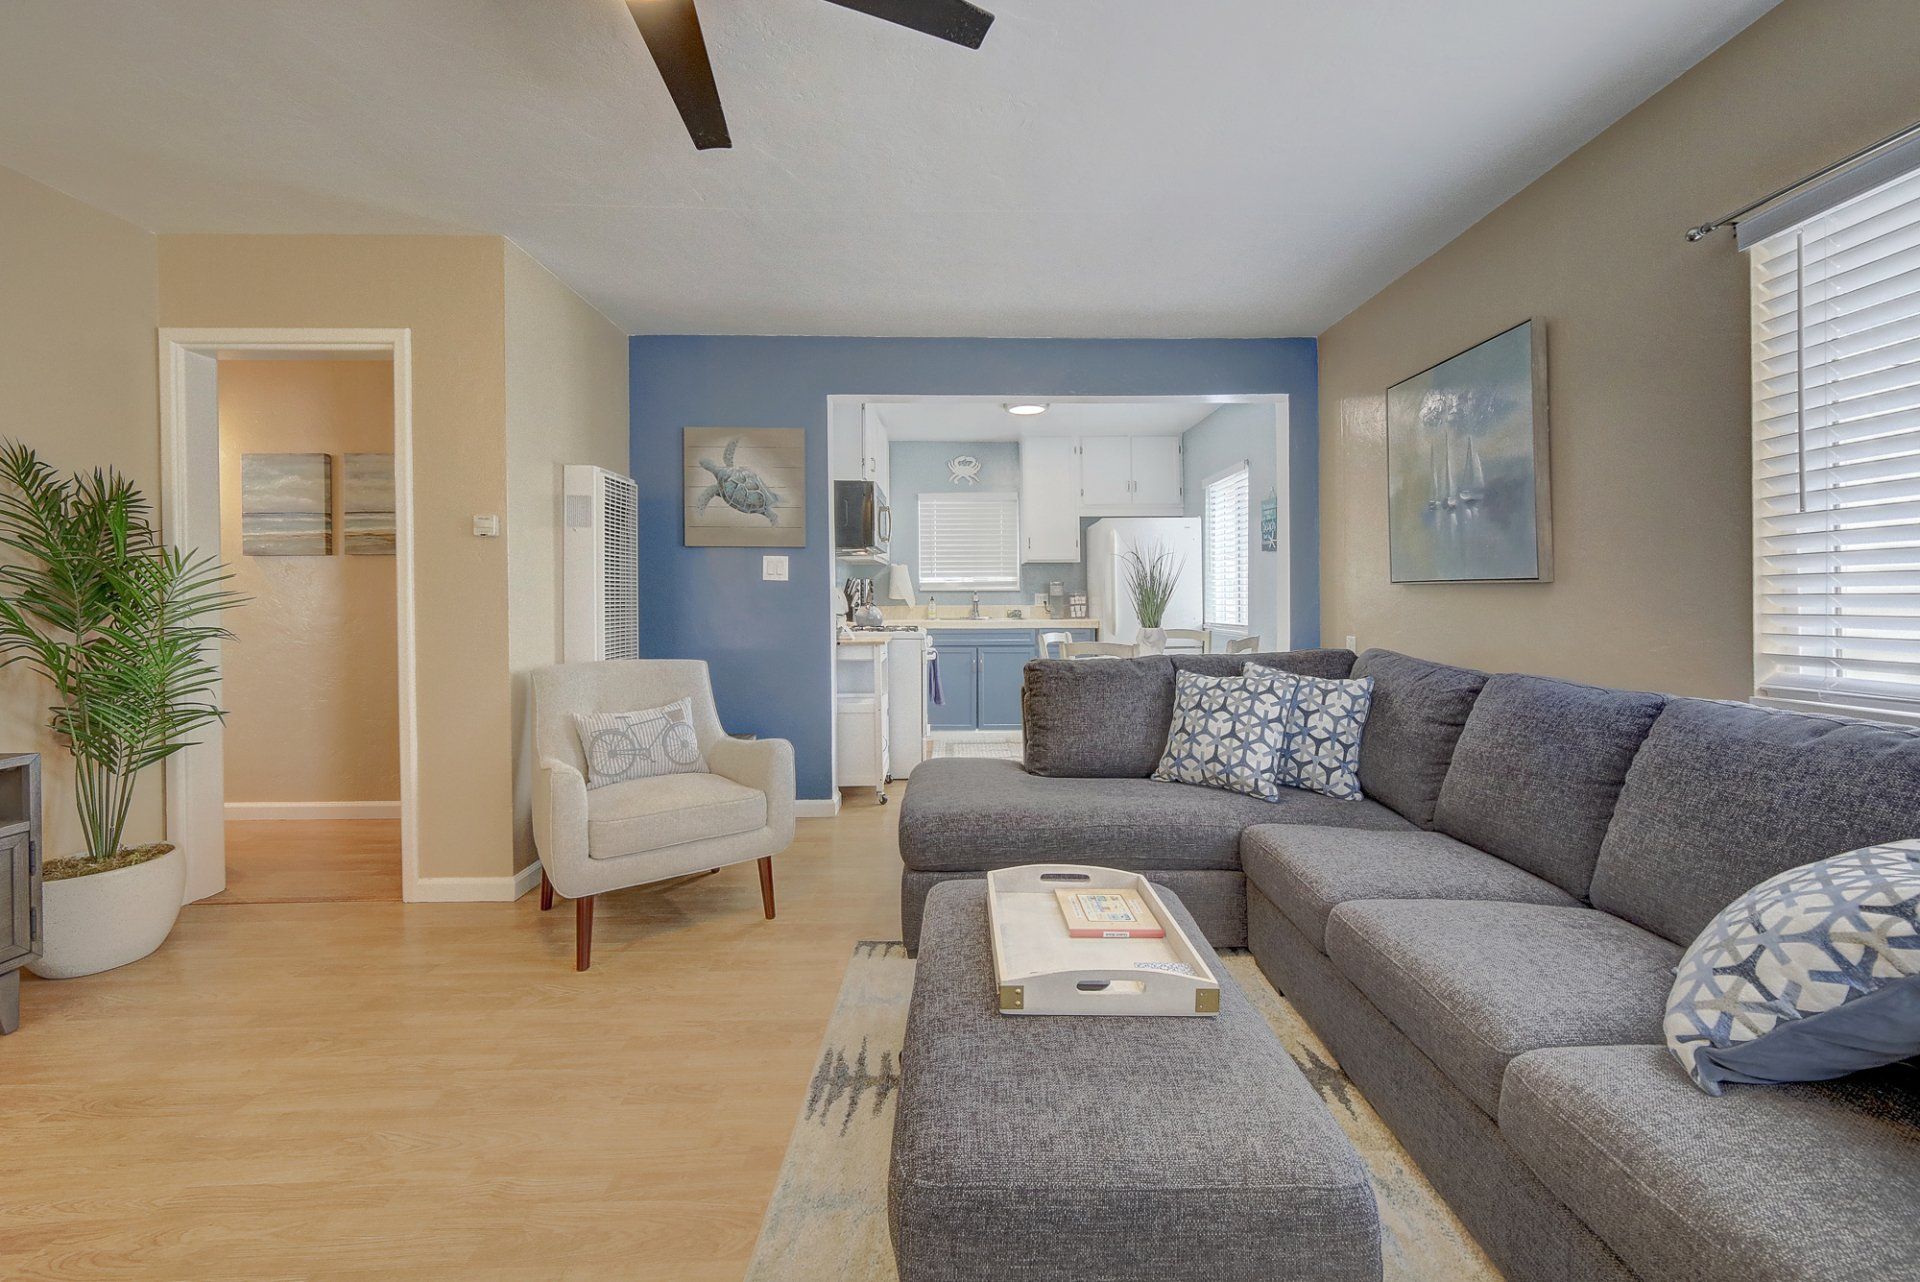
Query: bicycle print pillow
point(620, 746)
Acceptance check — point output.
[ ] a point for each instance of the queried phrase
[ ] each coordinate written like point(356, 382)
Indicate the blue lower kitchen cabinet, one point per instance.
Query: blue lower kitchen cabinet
point(981, 671)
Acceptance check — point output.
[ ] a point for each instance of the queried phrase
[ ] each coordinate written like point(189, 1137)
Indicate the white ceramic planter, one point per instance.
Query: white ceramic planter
point(1151, 641)
point(109, 919)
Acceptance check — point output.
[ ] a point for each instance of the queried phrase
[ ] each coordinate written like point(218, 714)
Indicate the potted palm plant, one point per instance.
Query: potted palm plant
point(1152, 574)
point(118, 624)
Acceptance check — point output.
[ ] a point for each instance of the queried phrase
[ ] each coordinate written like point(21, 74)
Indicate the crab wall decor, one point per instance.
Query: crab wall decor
point(745, 487)
point(963, 469)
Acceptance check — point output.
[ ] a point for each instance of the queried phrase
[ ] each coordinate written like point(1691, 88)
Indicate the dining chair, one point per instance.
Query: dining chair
point(1243, 645)
point(1096, 650)
point(1048, 640)
point(1190, 640)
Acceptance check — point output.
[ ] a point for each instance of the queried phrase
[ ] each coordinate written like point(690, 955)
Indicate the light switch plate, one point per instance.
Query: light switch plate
point(486, 527)
point(773, 569)
point(1350, 644)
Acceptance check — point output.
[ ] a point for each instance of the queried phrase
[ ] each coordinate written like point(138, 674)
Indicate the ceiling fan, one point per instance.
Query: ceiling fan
point(671, 29)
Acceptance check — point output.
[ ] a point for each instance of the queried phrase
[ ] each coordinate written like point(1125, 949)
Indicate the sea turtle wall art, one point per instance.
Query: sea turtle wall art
point(745, 487)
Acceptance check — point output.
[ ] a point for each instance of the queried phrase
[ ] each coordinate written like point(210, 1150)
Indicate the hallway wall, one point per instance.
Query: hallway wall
point(310, 679)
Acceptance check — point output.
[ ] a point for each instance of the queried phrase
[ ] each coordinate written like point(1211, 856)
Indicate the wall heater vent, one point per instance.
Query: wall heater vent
point(601, 595)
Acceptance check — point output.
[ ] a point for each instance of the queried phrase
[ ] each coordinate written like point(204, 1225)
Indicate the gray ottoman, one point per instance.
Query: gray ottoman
point(1159, 1150)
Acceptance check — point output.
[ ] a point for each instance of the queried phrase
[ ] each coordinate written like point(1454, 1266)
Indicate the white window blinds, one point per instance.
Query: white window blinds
point(1836, 455)
point(1225, 549)
point(970, 541)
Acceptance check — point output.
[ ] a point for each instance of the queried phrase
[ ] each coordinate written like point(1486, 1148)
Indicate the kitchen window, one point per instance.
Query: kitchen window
point(1836, 455)
point(970, 542)
point(1225, 549)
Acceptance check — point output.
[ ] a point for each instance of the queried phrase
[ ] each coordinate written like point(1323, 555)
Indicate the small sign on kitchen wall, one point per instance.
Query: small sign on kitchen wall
point(1270, 523)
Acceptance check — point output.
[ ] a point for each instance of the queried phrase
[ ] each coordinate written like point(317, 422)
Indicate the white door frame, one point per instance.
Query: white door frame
point(190, 517)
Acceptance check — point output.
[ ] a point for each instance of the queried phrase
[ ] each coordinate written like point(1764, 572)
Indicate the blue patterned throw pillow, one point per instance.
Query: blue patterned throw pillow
point(1324, 721)
point(1810, 975)
point(1226, 733)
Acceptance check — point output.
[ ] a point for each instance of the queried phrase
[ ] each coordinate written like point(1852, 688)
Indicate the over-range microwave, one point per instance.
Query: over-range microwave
point(862, 521)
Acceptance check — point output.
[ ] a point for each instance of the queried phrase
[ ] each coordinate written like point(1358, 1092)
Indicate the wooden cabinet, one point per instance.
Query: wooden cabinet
point(1049, 499)
point(1156, 471)
point(981, 672)
point(1106, 471)
point(1130, 475)
point(20, 919)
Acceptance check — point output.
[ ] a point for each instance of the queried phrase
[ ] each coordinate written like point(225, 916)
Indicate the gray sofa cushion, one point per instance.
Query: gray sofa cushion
point(1473, 984)
point(1723, 796)
point(1767, 1184)
point(1128, 1150)
point(1308, 872)
point(964, 815)
point(1337, 664)
point(1103, 720)
point(1419, 708)
point(1538, 769)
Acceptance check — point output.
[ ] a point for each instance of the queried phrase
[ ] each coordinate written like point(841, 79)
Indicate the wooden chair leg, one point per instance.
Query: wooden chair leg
point(766, 885)
point(583, 932)
point(546, 891)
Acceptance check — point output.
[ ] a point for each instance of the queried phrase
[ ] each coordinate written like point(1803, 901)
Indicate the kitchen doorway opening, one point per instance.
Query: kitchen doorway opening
point(997, 529)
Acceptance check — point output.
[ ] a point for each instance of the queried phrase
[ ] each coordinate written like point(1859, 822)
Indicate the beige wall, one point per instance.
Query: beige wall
point(566, 374)
point(309, 679)
point(1647, 360)
point(77, 382)
point(449, 291)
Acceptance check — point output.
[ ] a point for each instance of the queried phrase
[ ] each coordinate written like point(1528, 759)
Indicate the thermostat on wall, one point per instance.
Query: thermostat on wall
point(486, 527)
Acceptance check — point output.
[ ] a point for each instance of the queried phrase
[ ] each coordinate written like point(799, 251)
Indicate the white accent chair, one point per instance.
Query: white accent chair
point(1189, 641)
point(648, 830)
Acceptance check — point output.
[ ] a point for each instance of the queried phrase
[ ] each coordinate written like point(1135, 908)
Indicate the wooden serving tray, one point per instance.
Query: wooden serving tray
point(1042, 970)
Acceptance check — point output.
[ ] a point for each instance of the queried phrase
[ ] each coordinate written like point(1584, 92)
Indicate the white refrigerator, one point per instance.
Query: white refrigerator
point(1108, 542)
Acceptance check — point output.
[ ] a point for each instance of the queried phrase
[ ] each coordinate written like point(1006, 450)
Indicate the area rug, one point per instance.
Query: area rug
point(827, 1221)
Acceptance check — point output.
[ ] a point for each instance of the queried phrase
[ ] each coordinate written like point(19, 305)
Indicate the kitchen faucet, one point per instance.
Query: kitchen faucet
point(974, 613)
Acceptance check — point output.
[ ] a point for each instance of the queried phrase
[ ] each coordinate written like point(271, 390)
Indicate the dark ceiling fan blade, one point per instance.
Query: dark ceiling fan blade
point(955, 20)
point(671, 29)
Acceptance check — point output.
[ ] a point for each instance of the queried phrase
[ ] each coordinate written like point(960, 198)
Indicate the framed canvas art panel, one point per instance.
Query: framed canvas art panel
point(286, 504)
point(1468, 469)
point(366, 504)
point(745, 487)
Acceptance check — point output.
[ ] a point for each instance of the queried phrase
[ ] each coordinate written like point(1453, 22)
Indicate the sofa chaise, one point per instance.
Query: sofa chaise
point(1486, 942)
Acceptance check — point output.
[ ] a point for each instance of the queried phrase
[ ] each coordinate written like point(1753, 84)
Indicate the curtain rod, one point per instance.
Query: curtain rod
point(1705, 230)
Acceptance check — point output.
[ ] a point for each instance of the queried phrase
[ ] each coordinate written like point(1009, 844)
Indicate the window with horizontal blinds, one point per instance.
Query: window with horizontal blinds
point(1224, 549)
point(1836, 455)
point(970, 541)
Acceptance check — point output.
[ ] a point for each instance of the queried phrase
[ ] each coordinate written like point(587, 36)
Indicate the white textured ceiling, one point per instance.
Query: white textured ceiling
point(1101, 168)
point(956, 419)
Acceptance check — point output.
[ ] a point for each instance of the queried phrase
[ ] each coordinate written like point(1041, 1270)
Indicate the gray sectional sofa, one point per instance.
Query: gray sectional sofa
point(1486, 942)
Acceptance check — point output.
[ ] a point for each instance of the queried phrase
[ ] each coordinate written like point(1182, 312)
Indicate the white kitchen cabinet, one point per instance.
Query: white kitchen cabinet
point(1130, 475)
point(876, 451)
point(1049, 499)
point(1156, 471)
point(1106, 471)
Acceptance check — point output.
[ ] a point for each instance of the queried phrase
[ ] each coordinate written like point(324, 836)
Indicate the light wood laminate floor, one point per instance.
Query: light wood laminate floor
point(317, 861)
point(383, 1090)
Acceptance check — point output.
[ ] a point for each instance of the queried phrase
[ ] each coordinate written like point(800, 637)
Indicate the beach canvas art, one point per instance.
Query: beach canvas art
point(745, 487)
point(366, 504)
point(286, 504)
point(1467, 466)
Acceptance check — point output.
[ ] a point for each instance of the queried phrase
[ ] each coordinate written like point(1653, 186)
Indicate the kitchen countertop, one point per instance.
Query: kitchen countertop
point(1002, 625)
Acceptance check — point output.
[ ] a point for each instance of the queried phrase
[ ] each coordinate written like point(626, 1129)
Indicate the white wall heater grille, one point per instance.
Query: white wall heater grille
point(600, 597)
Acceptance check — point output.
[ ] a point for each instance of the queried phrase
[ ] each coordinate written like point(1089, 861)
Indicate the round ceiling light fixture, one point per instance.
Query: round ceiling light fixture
point(1026, 408)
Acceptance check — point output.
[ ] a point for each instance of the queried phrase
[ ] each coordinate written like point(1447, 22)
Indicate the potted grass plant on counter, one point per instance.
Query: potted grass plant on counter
point(1152, 574)
point(118, 624)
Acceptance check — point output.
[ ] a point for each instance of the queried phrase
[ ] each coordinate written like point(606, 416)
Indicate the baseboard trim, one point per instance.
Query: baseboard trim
point(475, 890)
point(312, 810)
point(808, 809)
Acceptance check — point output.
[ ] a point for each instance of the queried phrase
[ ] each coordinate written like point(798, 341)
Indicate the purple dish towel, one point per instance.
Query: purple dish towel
point(933, 682)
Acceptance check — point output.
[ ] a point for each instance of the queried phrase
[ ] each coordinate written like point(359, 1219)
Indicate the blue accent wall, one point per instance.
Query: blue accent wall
point(770, 645)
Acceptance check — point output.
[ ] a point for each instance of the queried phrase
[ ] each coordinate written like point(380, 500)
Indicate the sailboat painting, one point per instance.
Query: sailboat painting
point(1467, 467)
